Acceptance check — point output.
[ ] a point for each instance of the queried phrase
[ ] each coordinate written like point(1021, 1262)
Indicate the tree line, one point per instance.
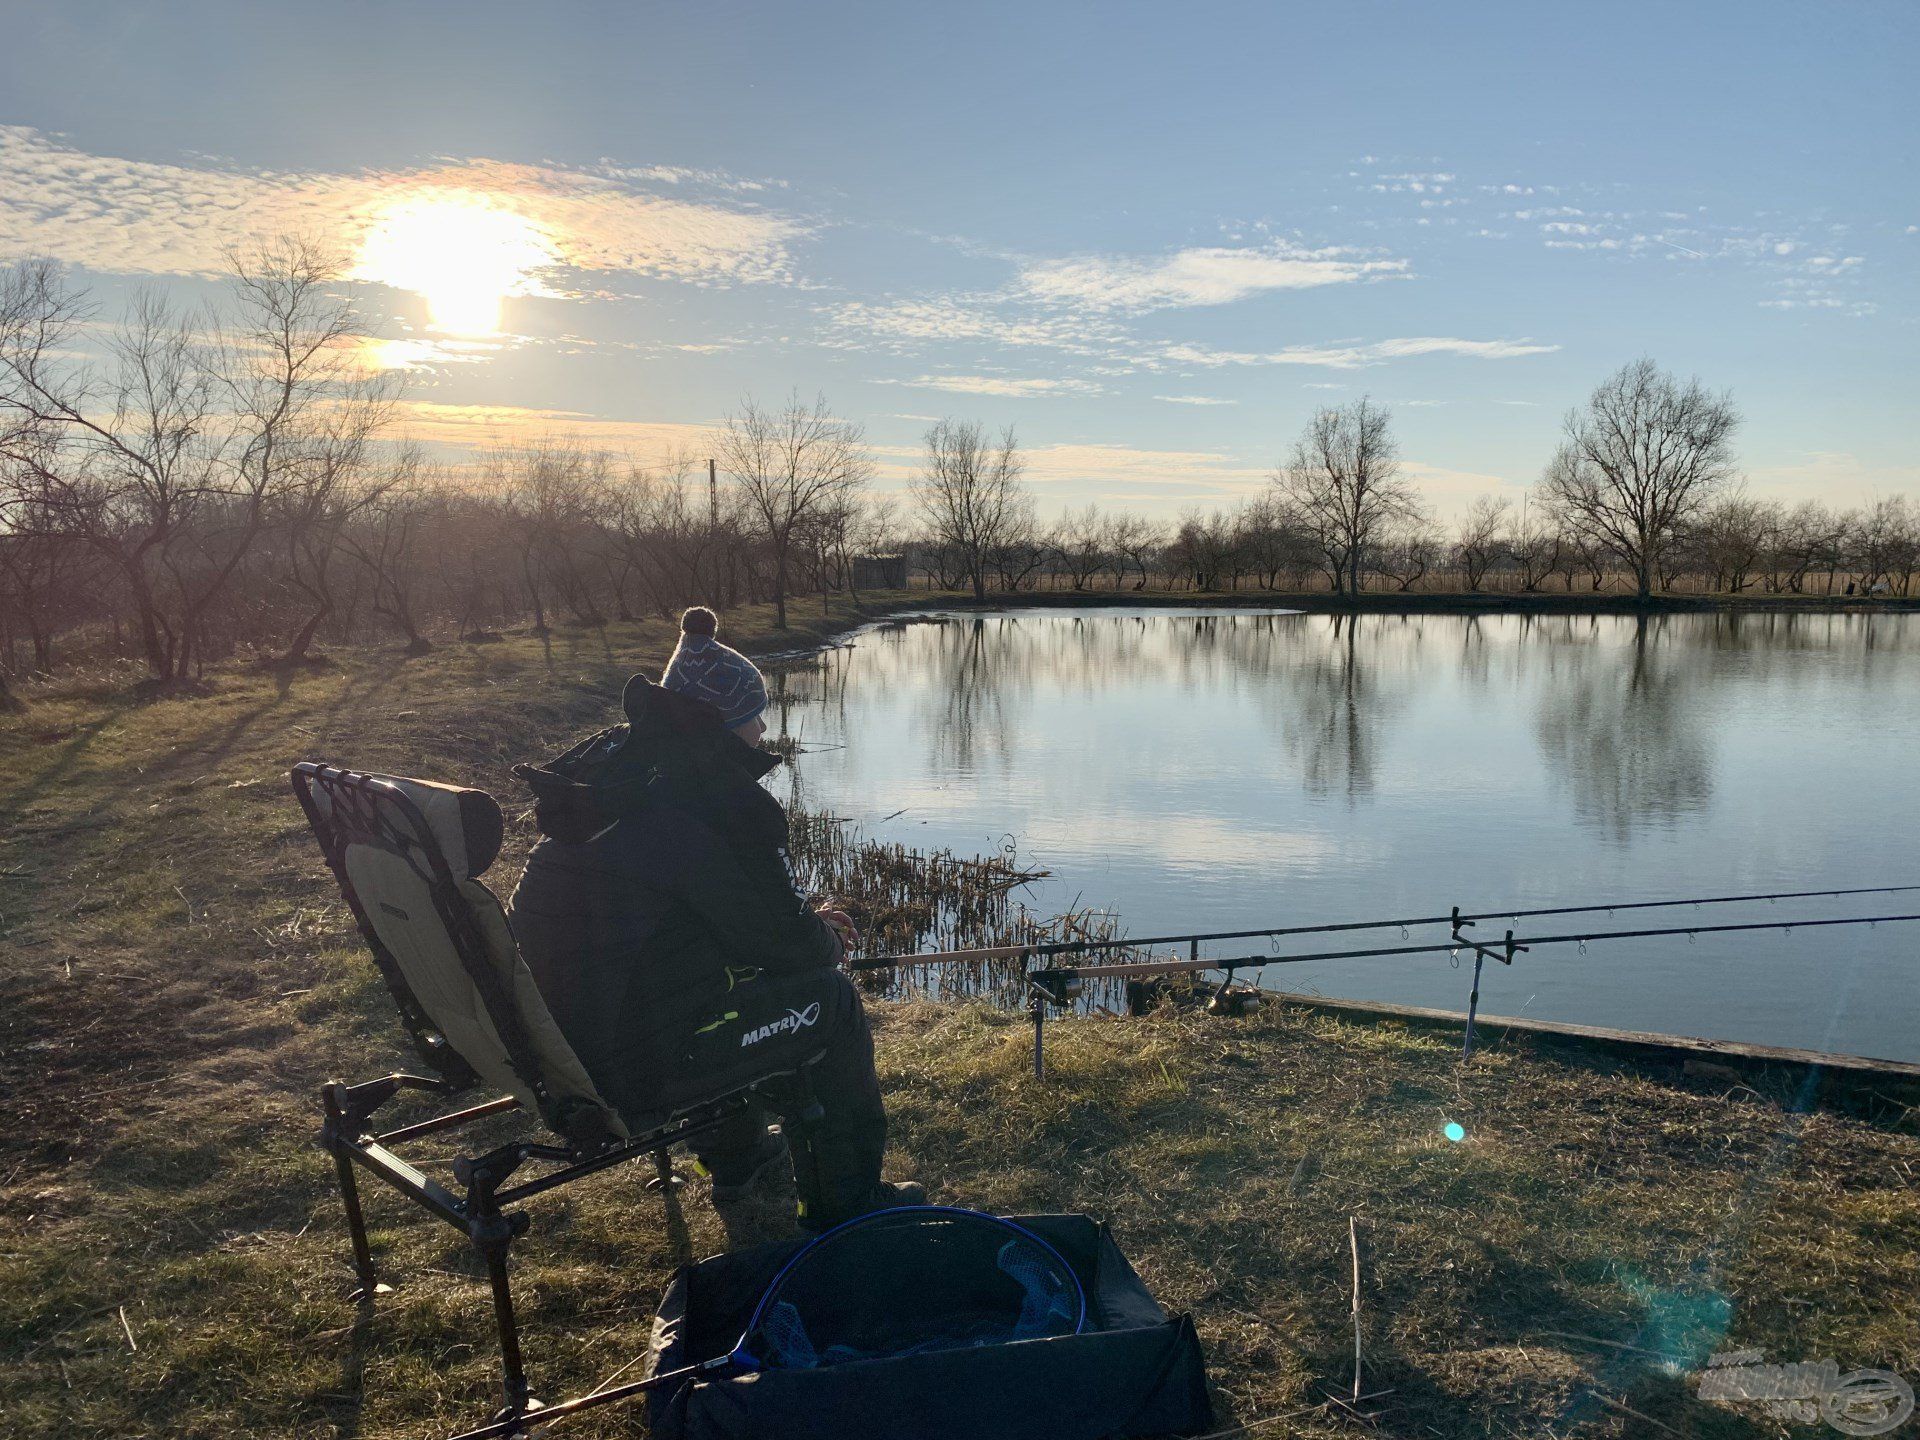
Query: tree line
point(199, 485)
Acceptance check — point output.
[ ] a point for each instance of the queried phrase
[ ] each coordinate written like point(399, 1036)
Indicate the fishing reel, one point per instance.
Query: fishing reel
point(1235, 1000)
point(1231, 999)
point(1059, 988)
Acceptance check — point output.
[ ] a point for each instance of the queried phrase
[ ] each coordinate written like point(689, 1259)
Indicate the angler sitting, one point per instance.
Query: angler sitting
point(660, 918)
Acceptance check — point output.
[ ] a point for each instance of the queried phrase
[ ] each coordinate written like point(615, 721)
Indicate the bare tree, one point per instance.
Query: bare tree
point(792, 464)
point(171, 458)
point(1206, 549)
point(1137, 541)
point(1735, 536)
point(44, 583)
point(1344, 487)
point(1886, 545)
point(1407, 552)
point(555, 492)
point(872, 526)
point(1640, 461)
point(1478, 544)
point(1023, 553)
point(388, 538)
point(1536, 544)
point(124, 455)
point(969, 493)
point(1082, 546)
point(1811, 537)
point(1273, 542)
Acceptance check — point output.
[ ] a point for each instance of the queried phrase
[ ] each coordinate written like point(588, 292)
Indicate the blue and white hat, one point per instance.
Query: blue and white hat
point(704, 669)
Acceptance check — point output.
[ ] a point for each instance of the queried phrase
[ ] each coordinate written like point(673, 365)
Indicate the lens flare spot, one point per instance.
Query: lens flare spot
point(1455, 1131)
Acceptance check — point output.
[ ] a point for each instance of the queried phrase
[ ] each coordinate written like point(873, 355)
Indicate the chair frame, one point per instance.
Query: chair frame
point(486, 1213)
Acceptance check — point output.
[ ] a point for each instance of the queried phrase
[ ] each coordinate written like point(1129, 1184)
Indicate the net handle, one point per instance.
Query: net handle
point(745, 1358)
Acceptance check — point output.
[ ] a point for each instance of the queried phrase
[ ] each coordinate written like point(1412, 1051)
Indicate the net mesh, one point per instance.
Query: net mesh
point(906, 1282)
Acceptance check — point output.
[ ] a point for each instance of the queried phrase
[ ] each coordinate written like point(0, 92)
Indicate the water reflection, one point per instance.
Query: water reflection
point(1210, 770)
point(1620, 728)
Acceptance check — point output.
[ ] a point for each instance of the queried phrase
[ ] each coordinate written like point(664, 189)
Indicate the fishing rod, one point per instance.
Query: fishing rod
point(1254, 962)
point(1060, 986)
point(1043, 950)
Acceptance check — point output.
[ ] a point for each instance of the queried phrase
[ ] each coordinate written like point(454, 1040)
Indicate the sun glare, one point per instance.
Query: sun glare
point(462, 251)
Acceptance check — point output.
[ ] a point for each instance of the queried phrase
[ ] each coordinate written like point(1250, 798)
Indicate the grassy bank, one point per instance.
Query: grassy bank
point(177, 976)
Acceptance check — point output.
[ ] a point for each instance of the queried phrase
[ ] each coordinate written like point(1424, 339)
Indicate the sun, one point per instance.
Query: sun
point(463, 251)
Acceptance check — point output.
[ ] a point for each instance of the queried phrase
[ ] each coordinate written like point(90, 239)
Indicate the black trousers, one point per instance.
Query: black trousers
point(767, 1024)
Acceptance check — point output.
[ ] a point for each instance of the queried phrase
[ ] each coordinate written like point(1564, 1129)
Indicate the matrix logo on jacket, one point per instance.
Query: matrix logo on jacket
point(792, 1020)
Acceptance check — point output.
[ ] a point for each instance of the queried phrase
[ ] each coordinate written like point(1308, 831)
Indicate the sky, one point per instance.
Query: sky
point(1152, 238)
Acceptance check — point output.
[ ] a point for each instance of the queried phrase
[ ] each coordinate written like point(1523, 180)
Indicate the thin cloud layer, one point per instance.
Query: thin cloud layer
point(909, 326)
point(468, 429)
point(906, 324)
point(1129, 474)
point(1353, 357)
point(137, 217)
point(1199, 275)
point(1004, 385)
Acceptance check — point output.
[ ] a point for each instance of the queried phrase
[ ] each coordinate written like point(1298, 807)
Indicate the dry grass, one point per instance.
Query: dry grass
point(176, 977)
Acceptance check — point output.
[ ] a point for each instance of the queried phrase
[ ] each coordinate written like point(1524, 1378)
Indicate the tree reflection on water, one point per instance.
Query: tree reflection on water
point(1622, 729)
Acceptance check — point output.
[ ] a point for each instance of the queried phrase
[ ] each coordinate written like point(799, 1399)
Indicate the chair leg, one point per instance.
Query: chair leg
point(513, 1375)
point(806, 1113)
point(663, 1177)
point(369, 1285)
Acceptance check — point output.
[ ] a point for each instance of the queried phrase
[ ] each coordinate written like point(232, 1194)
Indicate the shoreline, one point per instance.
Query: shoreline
point(1438, 602)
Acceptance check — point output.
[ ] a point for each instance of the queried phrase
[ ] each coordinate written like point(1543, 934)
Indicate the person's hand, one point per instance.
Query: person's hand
point(842, 925)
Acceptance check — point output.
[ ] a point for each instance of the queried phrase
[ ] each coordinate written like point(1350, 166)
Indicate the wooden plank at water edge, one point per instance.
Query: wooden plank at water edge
point(1893, 1079)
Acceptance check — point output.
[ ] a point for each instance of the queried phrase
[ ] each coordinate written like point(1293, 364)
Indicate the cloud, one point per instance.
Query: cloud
point(1835, 477)
point(906, 324)
point(1447, 491)
point(1195, 400)
point(1352, 357)
point(137, 217)
point(1199, 275)
point(1074, 473)
point(1016, 388)
point(477, 427)
point(372, 352)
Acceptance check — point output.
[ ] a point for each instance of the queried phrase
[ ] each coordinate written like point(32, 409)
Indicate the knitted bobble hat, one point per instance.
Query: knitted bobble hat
point(704, 669)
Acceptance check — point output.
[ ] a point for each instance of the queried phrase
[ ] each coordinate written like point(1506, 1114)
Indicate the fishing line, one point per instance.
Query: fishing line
point(1455, 917)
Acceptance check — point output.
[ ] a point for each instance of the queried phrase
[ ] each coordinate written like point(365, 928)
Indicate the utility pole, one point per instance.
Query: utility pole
point(713, 512)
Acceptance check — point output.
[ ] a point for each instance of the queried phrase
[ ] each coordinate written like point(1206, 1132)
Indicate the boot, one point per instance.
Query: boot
point(885, 1195)
point(740, 1179)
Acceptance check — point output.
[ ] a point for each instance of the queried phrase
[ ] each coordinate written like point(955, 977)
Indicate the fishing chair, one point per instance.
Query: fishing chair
point(409, 855)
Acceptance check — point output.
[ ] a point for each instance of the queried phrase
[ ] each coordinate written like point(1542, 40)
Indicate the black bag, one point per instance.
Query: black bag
point(1124, 1370)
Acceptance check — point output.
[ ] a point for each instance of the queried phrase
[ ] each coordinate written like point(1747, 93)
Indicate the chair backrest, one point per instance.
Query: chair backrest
point(409, 855)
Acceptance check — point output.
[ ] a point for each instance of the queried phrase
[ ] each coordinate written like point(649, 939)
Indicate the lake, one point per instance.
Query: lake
point(1217, 770)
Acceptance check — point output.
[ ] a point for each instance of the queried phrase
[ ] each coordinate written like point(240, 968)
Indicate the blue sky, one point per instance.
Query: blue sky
point(1153, 238)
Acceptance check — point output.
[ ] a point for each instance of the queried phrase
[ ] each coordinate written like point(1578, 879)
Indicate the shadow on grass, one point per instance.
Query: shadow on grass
point(345, 1401)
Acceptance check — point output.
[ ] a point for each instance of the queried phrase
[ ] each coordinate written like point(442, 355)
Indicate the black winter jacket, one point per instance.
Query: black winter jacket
point(669, 889)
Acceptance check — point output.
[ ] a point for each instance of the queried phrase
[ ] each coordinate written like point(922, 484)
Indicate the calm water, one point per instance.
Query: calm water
point(1226, 770)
